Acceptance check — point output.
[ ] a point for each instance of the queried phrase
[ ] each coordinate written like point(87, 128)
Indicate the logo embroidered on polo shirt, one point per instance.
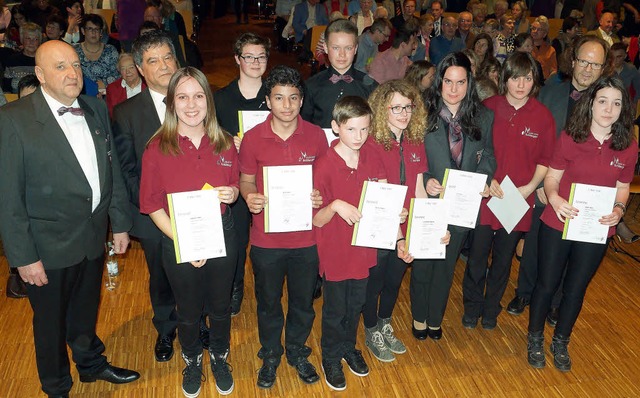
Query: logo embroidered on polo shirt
point(304, 158)
point(374, 179)
point(414, 158)
point(223, 162)
point(528, 133)
point(616, 163)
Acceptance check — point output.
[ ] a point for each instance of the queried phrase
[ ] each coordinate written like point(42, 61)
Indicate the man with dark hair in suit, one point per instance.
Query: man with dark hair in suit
point(134, 122)
point(60, 184)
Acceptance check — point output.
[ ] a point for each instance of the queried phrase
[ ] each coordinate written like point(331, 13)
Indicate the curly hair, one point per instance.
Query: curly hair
point(579, 122)
point(380, 99)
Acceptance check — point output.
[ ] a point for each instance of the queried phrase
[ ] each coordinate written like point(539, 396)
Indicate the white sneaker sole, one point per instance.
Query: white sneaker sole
point(353, 371)
point(331, 386)
point(194, 395)
point(229, 391)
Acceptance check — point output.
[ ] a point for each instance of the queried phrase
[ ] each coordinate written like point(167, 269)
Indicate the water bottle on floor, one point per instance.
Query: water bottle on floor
point(112, 267)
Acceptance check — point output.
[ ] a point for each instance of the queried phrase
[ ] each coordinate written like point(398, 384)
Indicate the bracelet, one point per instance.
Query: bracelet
point(401, 239)
point(621, 206)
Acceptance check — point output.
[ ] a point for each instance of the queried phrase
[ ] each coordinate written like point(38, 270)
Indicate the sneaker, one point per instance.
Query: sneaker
point(517, 305)
point(267, 375)
point(390, 339)
point(306, 371)
point(561, 359)
point(356, 363)
point(333, 375)
point(192, 376)
point(469, 322)
point(375, 343)
point(222, 372)
point(535, 350)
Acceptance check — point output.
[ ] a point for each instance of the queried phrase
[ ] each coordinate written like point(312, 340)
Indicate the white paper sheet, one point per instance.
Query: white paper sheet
point(462, 190)
point(250, 119)
point(330, 135)
point(427, 225)
point(511, 208)
point(592, 202)
point(288, 191)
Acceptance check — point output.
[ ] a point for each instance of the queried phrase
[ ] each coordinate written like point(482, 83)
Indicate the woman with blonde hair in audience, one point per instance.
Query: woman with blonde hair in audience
point(542, 50)
point(474, 60)
point(425, 28)
point(520, 13)
point(420, 74)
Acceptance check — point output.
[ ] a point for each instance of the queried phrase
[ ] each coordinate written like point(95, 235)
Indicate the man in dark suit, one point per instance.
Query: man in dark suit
point(60, 183)
point(134, 122)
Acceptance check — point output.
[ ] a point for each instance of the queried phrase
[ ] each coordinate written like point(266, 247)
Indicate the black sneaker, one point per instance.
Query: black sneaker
point(469, 322)
point(222, 372)
point(561, 359)
point(356, 363)
point(552, 317)
point(535, 350)
point(517, 305)
point(192, 376)
point(267, 375)
point(306, 371)
point(333, 375)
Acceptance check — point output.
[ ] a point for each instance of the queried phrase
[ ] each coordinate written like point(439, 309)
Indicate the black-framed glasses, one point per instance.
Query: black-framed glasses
point(397, 109)
point(251, 59)
point(584, 63)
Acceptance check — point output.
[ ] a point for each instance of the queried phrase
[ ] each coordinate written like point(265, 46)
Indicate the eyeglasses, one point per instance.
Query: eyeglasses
point(397, 109)
point(93, 30)
point(250, 59)
point(594, 65)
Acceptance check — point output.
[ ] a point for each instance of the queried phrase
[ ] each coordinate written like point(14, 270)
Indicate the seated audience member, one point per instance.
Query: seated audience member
point(542, 50)
point(302, 23)
point(12, 34)
point(130, 15)
point(153, 21)
point(520, 13)
point(491, 28)
point(380, 12)
point(420, 74)
point(321, 55)
point(447, 42)
point(392, 63)
point(473, 59)
point(342, 6)
point(284, 10)
point(354, 6)
point(56, 27)
point(465, 20)
point(503, 41)
point(129, 84)
point(570, 29)
point(369, 41)
point(172, 20)
point(483, 48)
point(19, 64)
point(363, 18)
point(99, 60)
point(408, 9)
point(39, 11)
point(74, 11)
point(490, 69)
point(436, 10)
point(605, 30)
point(626, 71)
point(5, 19)
point(524, 43)
point(479, 12)
point(499, 9)
point(27, 85)
point(486, 88)
point(425, 30)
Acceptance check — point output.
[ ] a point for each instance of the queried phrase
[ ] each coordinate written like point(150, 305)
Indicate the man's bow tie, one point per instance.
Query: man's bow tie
point(72, 110)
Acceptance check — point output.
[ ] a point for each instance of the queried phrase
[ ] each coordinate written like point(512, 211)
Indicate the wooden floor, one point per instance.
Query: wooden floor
point(605, 345)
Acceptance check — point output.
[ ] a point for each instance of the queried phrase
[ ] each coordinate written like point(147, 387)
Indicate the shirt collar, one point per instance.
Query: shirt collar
point(54, 104)
point(125, 85)
point(348, 72)
point(267, 131)
point(157, 97)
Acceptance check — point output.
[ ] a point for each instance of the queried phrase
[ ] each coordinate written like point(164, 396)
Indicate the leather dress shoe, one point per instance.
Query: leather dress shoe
point(112, 374)
point(434, 334)
point(552, 317)
point(59, 396)
point(164, 347)
point(419, 334)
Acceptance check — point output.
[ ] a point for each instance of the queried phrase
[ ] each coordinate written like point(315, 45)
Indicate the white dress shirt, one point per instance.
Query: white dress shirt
point(158, 102)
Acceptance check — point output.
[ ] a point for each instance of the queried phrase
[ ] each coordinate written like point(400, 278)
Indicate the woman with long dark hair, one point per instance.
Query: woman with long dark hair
point(597, 148)
point(458, 137)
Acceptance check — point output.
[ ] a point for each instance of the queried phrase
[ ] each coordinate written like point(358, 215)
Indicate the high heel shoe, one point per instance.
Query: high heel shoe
point(625, 234)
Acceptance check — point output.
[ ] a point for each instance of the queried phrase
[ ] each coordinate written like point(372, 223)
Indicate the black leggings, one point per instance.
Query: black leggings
point(384, 284)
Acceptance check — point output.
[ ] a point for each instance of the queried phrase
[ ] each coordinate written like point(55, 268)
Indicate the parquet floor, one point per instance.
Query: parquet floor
point(605, 345)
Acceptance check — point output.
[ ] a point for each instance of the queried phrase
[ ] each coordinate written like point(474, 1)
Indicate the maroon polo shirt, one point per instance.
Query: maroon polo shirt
point(339, 260)
point(189, 171)
point(415, 162)
point(522, 139)
point(262, 147)
point(589, 163)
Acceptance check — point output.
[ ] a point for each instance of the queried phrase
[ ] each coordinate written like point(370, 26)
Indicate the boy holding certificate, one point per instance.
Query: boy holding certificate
point(339, 176)
point(284, 139)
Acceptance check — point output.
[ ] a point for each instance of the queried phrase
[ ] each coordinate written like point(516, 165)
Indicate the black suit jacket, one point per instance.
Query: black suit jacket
point(556, 98)
point(477, 156)
point(46, 199)
point(134, 122)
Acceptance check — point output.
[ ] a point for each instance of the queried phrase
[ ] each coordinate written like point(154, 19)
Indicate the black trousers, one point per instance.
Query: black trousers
point(383, 287)
point(270, 268)
point(242, 8)
point(163, 302)
point(528, 271)
point(207, 287)
point(431, 282)
point(580, 260)
point(241, 221)
point(484, 286)
point(343, 303)
point(65, 311)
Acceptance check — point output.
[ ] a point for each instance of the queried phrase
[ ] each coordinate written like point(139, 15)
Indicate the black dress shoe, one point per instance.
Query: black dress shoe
point(419, 334)
point(164, 348)
point(552, 317)
point(306, 371)
point(59, 396)
point(517, 305)
point(434, 334)
point(112, 374)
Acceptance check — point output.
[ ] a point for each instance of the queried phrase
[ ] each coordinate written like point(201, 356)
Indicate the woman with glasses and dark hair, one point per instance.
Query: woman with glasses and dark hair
point(459, 137)
point(597, 148)
point(99, 60)
point(523, 138)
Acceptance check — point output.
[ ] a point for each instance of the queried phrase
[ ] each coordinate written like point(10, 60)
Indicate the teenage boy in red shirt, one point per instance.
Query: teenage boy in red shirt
point(284, 139)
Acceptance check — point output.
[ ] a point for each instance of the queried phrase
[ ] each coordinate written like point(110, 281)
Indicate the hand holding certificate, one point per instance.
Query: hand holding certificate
point(250, 119)
point(462, 190)
point(380, 205)
point(427, 226)
point(288, 191)
point(592, 202)
point(197, 225)
point(511, 208)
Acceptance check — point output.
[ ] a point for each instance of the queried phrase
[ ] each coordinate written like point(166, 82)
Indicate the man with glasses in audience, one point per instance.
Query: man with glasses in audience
point(447, 42)
point(369, 41)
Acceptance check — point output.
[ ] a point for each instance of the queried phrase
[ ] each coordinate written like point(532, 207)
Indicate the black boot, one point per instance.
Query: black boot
point(535, 349)
point(561, 358)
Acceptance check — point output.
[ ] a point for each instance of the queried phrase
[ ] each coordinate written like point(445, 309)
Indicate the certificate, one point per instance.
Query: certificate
point(288, 191)
point(380, 205)
point(592, 202)
point(250, 119)
point(427, 225)
point(511, 208)
point(462, 191)
point(331, 136)
point(196, 223)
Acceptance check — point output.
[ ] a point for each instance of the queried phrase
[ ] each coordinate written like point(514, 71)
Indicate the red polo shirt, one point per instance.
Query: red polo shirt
point(190, 171)
point(262, 147)
point(522, 139)
point(415, 162)
point(589, 163)
point(339, 260)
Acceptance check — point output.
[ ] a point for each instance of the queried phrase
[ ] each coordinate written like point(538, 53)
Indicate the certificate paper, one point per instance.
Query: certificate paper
point(427, 225)
point(511, 208)
point(380, 205)
point(330, 135)
point(250, 119)
point(288, 191)
point(592, 202)
point(196, 223)
point(462, 191)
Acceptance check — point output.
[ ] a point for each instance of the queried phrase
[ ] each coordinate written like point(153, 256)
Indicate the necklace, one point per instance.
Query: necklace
point(84, 45)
